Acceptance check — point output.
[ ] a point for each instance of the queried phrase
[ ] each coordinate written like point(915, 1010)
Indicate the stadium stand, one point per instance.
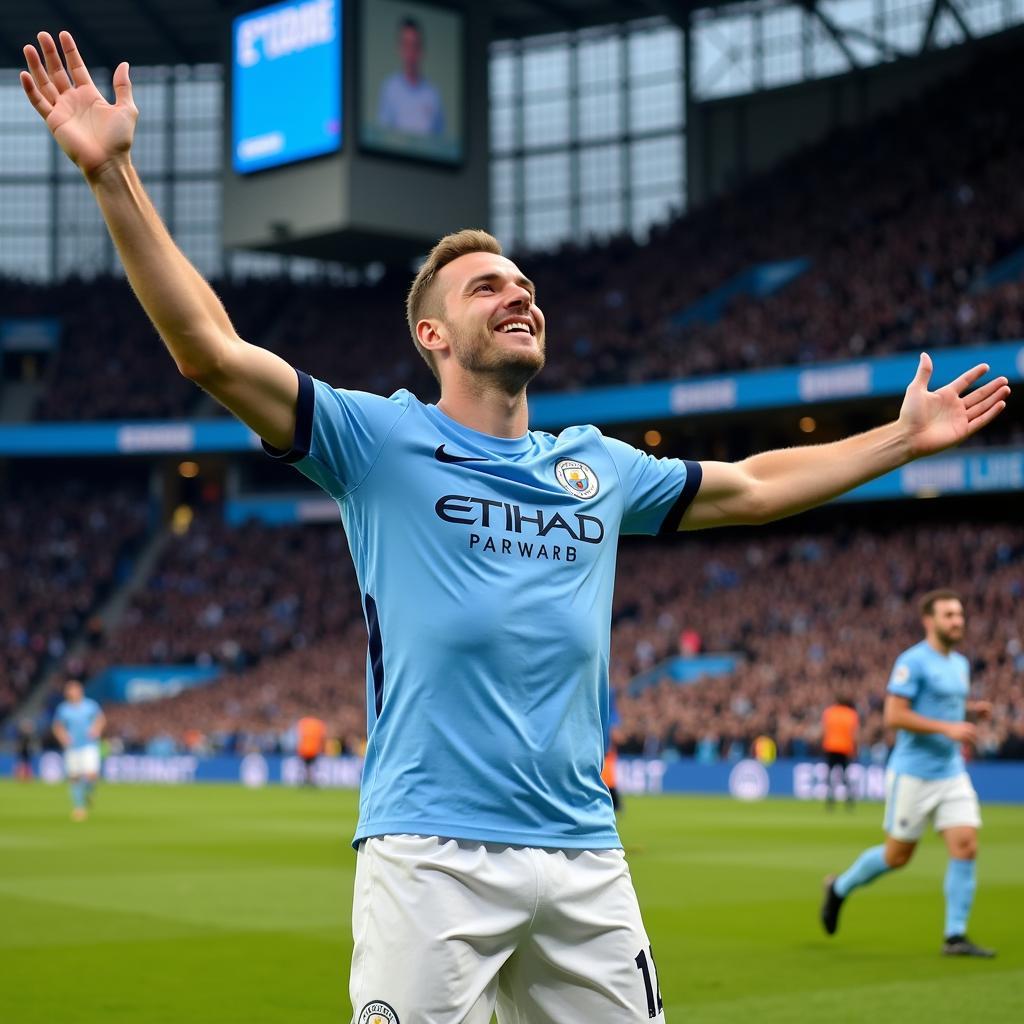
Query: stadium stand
point(811, 613)
point(63, 547)
point(110, 364)
point(814, 615)
point(900, 251)
point(900, 255)
point(232, 596)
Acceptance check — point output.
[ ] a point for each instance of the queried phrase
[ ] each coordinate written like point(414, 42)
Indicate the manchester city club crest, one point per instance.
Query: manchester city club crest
point(377, 1012)
point(577, 478)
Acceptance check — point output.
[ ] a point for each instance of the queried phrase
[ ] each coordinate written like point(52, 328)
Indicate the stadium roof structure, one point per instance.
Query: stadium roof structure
point(190, 31)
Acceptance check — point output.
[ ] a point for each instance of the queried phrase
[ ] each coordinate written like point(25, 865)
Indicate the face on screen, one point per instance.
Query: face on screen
point(410, 50)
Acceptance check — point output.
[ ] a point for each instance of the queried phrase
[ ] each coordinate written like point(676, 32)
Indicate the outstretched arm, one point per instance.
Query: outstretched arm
point(781, 483)
point(259, 387)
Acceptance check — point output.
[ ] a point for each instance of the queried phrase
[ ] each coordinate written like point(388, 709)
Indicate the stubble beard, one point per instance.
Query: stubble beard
point(509, 371)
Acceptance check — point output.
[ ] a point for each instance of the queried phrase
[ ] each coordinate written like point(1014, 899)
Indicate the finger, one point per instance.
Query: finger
point(985, 418)
point(924, 371)
point(965, 380)
point(54, 65)
point(35, 97)
point(983, 407)
point(76, 66)
point(122, 86)
point(987, 389)
point(39, 75)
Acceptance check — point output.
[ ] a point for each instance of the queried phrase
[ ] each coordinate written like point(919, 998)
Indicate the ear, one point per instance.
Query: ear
point(432, 335)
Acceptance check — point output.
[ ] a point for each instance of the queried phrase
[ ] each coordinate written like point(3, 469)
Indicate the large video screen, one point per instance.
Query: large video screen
point(412, 78)
point(286, 84)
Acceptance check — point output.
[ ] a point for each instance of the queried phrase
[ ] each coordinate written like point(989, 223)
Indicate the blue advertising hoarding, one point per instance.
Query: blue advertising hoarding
point(779, 388)
point(136, 683)
point(745, 781)
point(756, 389)
point(286, 84)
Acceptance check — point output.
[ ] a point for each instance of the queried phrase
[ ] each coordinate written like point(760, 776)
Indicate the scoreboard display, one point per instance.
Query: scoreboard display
point(358, 129)
point(286, 97)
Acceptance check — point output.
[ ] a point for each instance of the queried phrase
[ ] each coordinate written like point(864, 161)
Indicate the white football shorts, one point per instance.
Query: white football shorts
point(448, 931)
point(80, 761)
point(910, 802)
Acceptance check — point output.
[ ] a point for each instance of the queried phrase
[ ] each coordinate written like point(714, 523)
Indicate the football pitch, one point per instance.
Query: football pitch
point(220, 905)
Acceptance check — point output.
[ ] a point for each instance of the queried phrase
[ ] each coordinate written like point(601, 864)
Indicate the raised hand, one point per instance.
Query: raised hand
point(934, 420)
point(93, 132)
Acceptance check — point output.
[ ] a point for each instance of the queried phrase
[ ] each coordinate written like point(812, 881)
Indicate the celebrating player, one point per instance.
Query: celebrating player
point(926, 780)
point(78, 724)
point(489, 870)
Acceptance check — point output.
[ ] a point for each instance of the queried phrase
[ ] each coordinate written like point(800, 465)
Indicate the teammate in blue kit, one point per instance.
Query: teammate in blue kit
point(926, 779)
point(78, 725)
point(489, 870)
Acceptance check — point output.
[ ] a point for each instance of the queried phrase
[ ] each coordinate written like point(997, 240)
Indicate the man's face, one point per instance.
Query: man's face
point(946, 622)
point(494, 326)
point(410, 51)
point(73, 692)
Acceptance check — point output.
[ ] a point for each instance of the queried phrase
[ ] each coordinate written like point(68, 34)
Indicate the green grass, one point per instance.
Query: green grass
point(219, 905)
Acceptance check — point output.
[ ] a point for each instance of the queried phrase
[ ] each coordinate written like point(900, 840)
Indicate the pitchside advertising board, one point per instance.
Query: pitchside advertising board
point(746, 781)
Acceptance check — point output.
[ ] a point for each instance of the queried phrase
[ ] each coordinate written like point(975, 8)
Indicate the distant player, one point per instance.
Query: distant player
point(489, 871)
point(78, 724)
point(926, 779)
point(311, 733)
point(840, 724)
point(26, 748)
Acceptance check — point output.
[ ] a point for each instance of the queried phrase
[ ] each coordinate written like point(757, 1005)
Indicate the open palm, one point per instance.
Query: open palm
point(934, 420)
point(90, 130)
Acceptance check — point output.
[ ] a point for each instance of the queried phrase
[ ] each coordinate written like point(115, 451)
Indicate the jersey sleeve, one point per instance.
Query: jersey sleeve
point(905, 680)
point(339, 434)
point(656, 492)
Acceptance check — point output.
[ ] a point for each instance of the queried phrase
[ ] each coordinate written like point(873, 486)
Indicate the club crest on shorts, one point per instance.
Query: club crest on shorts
point(577, 478)
point(377, 1012)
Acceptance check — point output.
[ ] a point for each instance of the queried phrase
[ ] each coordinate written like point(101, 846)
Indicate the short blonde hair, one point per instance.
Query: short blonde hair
point(422, 299)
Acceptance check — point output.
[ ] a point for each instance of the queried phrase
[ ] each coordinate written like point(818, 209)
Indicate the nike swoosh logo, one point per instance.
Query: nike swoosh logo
point(442, 456)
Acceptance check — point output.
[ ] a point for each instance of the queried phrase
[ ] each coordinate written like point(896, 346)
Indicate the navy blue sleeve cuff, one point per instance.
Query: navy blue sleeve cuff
point(694, 475)
point(303, 425)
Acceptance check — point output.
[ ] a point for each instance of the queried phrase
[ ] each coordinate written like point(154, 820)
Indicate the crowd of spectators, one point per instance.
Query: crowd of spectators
point(231, 596)
point(900, 219)
point(898, 225)
point(110, 363)
point(812, 616)
point(63, 546)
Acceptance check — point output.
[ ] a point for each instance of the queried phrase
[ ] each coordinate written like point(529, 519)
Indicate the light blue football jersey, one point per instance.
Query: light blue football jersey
point(78, 718)
point(486, 567)
point(937, 686)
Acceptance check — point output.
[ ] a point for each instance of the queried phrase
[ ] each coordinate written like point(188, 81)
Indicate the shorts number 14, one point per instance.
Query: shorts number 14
point(654, 1003)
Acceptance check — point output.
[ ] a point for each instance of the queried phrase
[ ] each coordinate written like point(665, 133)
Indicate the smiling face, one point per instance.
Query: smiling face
point(489, 321)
